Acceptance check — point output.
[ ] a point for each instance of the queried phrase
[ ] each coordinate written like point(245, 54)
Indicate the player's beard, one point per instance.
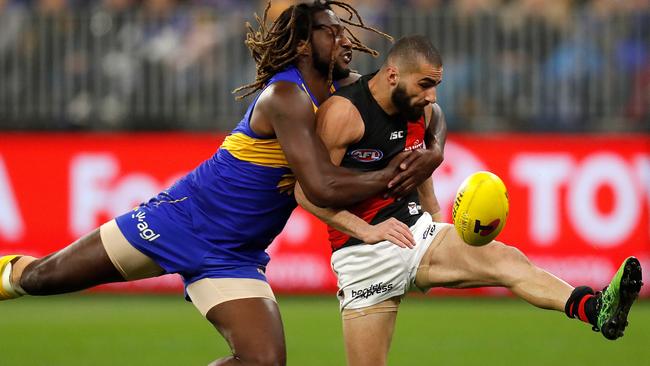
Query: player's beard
point(322, 65)
point(402, 102)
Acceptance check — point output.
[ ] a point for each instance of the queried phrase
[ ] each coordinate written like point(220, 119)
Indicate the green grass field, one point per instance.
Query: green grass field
point(165, 330)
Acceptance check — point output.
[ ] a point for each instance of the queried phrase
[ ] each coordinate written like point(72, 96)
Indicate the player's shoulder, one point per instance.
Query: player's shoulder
point(340, 116)
point(285, 92)
point(282, 103)
point(338, 107)
point(284, 96)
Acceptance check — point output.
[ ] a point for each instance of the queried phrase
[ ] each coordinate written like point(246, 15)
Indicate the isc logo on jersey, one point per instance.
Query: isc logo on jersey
point(366, 155)
point(396, 135)
point(480, 208)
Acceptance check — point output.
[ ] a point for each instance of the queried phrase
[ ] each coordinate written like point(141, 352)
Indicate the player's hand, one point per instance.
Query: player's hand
point(392, 230)
point(416, 168)
point(395, 165)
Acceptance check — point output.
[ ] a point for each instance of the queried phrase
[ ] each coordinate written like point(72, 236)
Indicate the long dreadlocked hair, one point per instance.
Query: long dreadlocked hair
point(275, 47)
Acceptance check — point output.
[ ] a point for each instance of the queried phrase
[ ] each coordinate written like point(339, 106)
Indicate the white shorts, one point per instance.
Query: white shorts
point(370, 274)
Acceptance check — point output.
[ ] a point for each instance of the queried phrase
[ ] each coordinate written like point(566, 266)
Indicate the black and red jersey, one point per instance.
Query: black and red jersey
point(385, 136)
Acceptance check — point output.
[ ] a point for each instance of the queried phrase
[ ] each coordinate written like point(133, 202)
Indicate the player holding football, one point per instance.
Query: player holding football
point(363, 126)
point(213, 225)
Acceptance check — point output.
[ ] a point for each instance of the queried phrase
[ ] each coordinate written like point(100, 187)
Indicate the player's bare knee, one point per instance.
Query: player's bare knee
point(506, 253)
point(506, 259)
point(514, 255)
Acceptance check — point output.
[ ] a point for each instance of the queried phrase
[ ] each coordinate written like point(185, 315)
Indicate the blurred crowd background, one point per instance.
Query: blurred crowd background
point(510, 65)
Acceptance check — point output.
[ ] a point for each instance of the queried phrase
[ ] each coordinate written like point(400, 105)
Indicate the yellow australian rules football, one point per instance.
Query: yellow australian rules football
point(480, 208)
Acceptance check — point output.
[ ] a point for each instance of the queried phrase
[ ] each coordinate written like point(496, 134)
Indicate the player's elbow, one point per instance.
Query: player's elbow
point(322, 194)
point(304, 197)
point(320, 197)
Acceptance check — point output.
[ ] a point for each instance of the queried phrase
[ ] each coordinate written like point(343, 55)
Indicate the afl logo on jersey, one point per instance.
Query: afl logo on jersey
point(366, 155)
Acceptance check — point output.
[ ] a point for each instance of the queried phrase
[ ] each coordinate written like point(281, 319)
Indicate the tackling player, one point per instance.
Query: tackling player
point(213, 225)
point(363, 126)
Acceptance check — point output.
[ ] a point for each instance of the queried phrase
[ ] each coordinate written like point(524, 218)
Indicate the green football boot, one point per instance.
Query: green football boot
point(615, 301)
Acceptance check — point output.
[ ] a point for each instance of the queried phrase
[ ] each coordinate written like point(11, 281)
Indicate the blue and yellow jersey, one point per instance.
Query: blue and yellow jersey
point(242, 197)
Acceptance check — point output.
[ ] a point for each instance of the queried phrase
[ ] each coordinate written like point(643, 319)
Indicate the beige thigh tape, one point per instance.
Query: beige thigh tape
point(387, 306)
point(132, 264)
point(209, 292)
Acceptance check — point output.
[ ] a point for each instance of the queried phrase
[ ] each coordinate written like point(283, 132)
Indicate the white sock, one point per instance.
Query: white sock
point(6, 282)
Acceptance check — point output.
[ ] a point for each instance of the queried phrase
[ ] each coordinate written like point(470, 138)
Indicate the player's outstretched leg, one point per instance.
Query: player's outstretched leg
point(81, 265)
point(615, 301)
point(451, 263)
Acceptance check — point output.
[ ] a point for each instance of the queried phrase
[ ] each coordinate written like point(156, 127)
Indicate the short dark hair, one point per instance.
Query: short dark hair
point(410, 50)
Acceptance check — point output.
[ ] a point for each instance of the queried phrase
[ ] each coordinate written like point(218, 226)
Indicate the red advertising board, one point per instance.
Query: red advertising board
point(579, 204)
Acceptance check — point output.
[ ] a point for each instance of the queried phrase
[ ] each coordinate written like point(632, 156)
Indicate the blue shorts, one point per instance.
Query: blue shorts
point(164, 230)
